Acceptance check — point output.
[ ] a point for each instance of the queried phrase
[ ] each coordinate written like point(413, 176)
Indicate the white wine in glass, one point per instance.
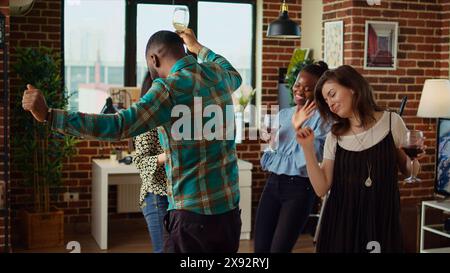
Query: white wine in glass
point(180, 19)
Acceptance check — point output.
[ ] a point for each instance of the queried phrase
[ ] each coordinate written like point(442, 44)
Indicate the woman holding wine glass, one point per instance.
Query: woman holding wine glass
point(288, 197)
point(413, 146)
point(362, 156)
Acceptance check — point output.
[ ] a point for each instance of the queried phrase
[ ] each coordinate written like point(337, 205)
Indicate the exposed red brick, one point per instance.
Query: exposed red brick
point(422, 54)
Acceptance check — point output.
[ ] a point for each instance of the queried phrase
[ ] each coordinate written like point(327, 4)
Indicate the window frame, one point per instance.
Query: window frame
point(131, 29)
point(131, 34)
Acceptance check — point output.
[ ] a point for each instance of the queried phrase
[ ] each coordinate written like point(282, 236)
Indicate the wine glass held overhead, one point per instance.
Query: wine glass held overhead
point(180, 19)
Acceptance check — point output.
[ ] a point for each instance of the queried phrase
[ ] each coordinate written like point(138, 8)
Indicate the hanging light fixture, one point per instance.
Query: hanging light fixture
point(283, 27)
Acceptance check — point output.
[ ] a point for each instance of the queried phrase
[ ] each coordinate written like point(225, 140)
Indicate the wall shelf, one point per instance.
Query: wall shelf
point(437, 229)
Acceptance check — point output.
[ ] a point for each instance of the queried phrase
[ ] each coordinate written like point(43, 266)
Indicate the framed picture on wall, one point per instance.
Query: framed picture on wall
point(442, 183)
point(334, 43)
point(380, 45)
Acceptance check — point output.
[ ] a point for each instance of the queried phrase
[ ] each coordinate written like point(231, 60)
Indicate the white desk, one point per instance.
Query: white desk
point(106, 172)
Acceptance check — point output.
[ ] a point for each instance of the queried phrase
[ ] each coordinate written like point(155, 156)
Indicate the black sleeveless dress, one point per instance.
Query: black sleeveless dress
point(356, 214)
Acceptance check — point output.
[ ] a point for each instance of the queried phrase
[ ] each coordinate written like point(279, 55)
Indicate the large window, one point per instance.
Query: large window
point(104, 41)
point(150, 19)
point(94, 42)
point(229, 38)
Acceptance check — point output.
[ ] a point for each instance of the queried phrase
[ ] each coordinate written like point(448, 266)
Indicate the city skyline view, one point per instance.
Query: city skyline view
point(95, 42)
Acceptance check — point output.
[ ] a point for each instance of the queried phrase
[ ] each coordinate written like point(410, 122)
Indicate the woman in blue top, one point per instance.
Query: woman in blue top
point(288, 197)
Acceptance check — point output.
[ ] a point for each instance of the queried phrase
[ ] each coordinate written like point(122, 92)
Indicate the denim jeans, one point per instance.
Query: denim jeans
point(283, 210)
point(154, 209)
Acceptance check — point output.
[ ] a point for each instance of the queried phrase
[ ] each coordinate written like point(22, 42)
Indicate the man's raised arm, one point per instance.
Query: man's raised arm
point(151, 111)
point(205, 54)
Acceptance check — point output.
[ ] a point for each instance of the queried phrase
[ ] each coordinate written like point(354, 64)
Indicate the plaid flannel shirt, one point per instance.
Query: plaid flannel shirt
point(202, 174)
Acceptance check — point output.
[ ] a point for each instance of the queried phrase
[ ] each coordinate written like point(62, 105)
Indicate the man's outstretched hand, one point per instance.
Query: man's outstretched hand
point(190, 40)
point(34, 101)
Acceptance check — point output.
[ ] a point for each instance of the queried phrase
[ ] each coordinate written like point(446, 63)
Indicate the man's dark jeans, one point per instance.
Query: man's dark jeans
point(191, 232)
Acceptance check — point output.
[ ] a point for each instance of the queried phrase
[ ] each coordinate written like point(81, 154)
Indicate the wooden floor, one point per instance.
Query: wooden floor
point(131, 236)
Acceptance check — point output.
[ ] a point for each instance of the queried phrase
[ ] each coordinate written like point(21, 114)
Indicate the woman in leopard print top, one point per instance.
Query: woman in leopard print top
point(149, 160)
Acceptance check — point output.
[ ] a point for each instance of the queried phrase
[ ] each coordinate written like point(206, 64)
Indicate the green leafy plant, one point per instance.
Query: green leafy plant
point(38, 151)
point(242, 96)
point(291, 75)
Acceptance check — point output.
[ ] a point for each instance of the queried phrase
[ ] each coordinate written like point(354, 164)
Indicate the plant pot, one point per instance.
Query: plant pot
point(42, 229)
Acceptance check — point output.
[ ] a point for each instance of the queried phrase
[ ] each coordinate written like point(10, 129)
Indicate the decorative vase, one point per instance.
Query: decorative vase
point(239, 118)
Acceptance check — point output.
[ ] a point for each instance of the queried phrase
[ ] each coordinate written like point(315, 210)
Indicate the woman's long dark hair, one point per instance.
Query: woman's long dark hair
point(363, 101)
point(317, 69)
point(146, 84)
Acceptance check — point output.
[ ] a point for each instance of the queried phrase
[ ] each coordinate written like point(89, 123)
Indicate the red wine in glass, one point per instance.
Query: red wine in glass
point(413, 146)
point(412, 151)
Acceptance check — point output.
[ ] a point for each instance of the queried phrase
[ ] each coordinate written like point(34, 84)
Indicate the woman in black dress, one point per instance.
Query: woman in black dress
point(362, 157)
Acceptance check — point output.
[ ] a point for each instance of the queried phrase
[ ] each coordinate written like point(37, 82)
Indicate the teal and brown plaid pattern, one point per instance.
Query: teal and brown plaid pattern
point(202, 174)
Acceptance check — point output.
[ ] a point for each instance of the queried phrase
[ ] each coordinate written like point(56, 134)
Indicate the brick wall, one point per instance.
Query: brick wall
point(4, 9)
point(422, 54)
point(43, 27)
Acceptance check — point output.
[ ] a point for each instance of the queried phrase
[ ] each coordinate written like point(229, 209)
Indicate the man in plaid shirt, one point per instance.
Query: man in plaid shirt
point(203, 190)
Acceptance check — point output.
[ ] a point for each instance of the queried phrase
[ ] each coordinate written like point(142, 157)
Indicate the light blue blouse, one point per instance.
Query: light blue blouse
point(288, 158)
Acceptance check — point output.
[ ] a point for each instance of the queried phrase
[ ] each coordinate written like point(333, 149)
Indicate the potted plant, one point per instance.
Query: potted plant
point(38, 152)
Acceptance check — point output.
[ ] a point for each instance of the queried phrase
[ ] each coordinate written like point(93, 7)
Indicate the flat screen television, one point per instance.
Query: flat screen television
point(442, 182)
